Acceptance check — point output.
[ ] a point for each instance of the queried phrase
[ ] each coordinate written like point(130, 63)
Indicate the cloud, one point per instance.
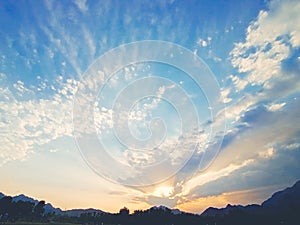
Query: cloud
point(203, 43)
point(224, 95)
point(81, 4)
point(208, 177)
point(28, 121)
point(267, 154)
point(270, 42)
point(235, 111)
point(292, 146)
point(275, 107)
point(19, 86)
point(242, 197)
point(267, 62)
point(252, 156)
point(62, 43)
point(263, 170)
point(260, 119)
point(238, 83)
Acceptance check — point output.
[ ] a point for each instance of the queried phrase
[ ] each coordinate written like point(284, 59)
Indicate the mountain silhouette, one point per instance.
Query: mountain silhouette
point(285, 201)
point(282, 207)
point(24, 198)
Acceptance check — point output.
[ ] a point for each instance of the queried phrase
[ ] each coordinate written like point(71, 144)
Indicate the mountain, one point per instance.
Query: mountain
point(50, 209)
point(24, 198)
point(176, 211)
point(281, 206)
point(283, 202)
point(78, 212)
point(166, 210)
point(214, 212)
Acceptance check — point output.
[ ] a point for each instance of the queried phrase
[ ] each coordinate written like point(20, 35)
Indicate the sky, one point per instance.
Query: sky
point(187, 104)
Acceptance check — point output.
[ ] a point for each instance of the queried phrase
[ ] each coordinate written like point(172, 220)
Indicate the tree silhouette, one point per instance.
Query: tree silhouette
point(5, 207)
point(23, 210)
point(38, 210)
point(124, 211)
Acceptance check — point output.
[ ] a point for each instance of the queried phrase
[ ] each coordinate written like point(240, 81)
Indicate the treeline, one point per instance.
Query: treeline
point(24, 211)
point(165, 216)
point(21, 211)
point(146, 217)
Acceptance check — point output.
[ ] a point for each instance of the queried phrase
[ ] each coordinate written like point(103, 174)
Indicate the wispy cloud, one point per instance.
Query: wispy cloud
point(82, 5)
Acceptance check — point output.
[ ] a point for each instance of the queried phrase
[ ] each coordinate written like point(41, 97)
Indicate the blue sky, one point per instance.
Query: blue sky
point(252, 50)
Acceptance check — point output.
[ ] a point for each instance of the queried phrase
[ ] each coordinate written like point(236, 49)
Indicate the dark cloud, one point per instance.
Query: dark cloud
point(256, 115)
point(284, 168)
point(267, 129)
point(230, 137)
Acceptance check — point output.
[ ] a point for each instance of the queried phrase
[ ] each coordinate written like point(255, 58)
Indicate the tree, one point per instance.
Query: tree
point(38, 210)
point(24, 210)
point(124, 211)
point(5, 205)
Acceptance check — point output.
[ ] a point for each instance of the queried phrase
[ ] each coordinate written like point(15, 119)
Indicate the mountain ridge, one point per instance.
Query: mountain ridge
point(281, 201)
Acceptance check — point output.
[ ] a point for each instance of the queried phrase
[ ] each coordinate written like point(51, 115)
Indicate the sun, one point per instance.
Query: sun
point(163, 191)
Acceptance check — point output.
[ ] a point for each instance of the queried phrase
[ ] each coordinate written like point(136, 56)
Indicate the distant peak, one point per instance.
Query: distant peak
point(280, 201)
point(297, 184)
point(165, 208)
point(22, 195)
point(160, 207)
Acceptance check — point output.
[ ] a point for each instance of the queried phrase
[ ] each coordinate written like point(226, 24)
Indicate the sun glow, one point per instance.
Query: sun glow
point(163, 191)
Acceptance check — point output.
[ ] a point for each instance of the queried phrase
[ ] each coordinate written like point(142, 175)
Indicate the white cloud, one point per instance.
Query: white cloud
point(63, 41)
point(259, 58)
point(29, 122)
point(275, 107)
point(268, 153)
point(159, 94)
point(209, 176)
point(236, 110)
point(128, 74)
point(201, 42)
point(21, 89)
point(270, 40)
point(292, 146)
point(81, 4)
point(238, 83)
point(267, 44)
point(139, 158)
point(103, 118)
point(246, 150)
point(90, 43)
point(283, 18)
point(224, 95)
